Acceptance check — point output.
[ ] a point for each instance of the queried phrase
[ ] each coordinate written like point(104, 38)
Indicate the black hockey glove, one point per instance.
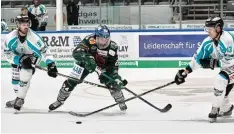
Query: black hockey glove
point(25, 61)
point(52, 70)
point(180, 77)
point(209, 63)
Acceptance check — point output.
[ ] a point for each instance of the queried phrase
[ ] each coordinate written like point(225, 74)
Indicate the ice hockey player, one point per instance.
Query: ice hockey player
point(39, 10)
point(217, 50)
point(95, 51)
point(24, 49)
point(4, 27)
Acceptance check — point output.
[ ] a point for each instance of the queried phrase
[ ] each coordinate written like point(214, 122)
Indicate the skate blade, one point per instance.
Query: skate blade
point(16, 111)
point(123, 111)
point(212, 120)
point(8, 107)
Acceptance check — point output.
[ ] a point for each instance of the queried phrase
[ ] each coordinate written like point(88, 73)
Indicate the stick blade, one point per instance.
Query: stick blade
point(166, 109)
point(76, 114)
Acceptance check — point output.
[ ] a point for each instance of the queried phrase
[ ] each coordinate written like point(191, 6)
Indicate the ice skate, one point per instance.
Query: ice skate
point(10, 104)
point(227, 113)
point(213, 114)
point(123, 107)
point(18, 104)
point(55, 105)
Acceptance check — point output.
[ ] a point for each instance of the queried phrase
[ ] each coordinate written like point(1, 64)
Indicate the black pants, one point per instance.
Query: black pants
point(72, 20)
point(42, 28)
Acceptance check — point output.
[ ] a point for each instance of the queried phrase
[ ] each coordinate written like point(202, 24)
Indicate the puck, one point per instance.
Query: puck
point(78, 122)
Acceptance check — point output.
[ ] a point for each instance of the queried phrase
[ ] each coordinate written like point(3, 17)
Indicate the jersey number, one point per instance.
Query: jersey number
point(77, 71)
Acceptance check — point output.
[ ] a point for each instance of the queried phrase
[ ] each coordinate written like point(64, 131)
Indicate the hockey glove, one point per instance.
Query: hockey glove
point(113, 81)
point(43, 24)
point(209, 63)
point(52, 70)
point(25, 61)
point(89, 63)
point(180, 77)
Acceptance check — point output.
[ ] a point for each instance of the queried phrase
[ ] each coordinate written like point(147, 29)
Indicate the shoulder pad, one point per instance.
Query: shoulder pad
point(42, 6)
point(10, 35)
point(113, 45)
point(90, 39)
point(89, 36)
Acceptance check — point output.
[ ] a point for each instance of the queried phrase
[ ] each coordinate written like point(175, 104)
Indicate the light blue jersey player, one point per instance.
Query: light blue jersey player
point(4, 27)
point(24, 49)
point(39, 10)
point(217, 50)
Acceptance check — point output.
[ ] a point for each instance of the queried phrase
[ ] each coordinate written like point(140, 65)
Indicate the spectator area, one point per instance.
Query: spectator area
point(191, 10)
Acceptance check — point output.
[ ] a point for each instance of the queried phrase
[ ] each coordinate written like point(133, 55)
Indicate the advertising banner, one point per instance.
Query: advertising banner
point(169, 45)
point(111, 27)
point(61, 45)
point(124, 64)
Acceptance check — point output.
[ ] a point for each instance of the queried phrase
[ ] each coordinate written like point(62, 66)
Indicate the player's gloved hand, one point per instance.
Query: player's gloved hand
point(52, 70)
point(25, 61)
point(209, 63)
point(180, 77)
point(89, 63)
point(84, 59)
point(113, 81)
point(43, 23)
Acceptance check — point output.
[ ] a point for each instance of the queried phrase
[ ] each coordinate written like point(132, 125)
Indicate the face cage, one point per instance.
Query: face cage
point(103, 45)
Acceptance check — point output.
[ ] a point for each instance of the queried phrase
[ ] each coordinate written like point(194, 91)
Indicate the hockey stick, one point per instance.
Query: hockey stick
point(69, 77)
point(139, 97)
point(97, 85)
point(165, 109)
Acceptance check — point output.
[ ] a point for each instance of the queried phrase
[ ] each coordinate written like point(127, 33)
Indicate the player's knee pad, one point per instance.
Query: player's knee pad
point(15, 77)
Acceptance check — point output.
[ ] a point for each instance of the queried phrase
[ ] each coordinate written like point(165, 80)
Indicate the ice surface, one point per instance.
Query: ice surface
point(191, 105)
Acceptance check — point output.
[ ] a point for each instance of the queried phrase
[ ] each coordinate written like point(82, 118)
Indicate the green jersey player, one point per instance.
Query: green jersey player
point(95, 51)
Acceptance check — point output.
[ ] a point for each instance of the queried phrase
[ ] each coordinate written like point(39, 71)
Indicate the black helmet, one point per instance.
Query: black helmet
point(22, 18)
point(214, 22)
